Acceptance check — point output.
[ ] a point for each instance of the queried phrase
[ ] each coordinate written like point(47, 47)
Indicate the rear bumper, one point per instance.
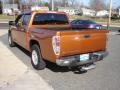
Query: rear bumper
point(75, 60)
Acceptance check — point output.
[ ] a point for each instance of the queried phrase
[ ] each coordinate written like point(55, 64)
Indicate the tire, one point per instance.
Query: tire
point(36, 58)
point(10, 41)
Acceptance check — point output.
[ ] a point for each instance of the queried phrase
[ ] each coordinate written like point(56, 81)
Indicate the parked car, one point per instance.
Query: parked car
point(85, 24)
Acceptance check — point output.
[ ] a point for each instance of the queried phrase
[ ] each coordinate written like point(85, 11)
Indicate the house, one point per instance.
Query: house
point(70, 10)
point(8, 9)
point(88, 12)
point(118, 11)
point(102, 13)
point(39, 8)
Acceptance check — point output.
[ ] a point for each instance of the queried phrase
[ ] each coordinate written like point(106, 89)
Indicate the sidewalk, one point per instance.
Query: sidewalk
point(4, 21)
point(14, 75)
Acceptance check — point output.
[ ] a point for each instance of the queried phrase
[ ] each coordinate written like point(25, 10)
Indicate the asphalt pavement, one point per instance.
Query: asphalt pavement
point(106, 75)
point(4, 25)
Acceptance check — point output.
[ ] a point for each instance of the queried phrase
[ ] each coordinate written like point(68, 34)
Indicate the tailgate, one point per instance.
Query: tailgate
point(78, 42)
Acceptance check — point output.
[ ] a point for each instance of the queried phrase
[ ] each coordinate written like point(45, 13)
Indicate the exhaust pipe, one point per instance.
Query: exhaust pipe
point(92, 66)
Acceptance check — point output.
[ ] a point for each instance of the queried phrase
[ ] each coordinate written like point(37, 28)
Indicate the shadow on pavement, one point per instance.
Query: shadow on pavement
point(24, 56)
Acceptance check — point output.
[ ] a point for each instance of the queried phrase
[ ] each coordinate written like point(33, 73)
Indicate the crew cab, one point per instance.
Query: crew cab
point(48, 36)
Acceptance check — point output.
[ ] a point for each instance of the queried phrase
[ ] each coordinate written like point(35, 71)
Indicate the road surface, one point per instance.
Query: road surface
point(106, 75)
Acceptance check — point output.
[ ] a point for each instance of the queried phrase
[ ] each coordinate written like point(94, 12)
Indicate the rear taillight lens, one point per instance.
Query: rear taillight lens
point(56, 44)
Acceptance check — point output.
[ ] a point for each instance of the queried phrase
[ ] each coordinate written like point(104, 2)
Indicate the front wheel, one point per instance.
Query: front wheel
point(36, 58)
point(10, 41)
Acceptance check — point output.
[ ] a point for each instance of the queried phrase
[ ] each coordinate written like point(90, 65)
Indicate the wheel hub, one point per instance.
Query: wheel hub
point(34, 57)
point(9, 39)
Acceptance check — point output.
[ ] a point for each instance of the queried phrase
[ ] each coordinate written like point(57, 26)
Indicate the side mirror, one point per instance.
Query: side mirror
point(12, 23)
point(19, 24)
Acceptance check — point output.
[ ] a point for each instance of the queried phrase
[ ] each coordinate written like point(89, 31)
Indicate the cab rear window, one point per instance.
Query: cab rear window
point(50, 18)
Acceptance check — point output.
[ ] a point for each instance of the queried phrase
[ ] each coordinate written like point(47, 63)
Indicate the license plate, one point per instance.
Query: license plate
point(84, 57)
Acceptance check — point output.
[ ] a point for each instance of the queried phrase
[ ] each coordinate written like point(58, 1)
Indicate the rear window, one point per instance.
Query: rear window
point(50, 18)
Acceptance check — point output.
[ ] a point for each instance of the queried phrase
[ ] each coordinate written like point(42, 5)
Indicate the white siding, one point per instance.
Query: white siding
point(88, 12)
point(102, 13)
point(69, 10)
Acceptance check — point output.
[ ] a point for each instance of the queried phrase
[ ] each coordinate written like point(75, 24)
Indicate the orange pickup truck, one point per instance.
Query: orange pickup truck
point(48, 36)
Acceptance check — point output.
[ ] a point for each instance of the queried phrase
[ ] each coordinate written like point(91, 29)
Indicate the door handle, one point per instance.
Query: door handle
point(87, 36)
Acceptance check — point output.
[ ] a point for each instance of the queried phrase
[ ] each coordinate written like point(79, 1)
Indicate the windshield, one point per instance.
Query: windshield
point(50, 18)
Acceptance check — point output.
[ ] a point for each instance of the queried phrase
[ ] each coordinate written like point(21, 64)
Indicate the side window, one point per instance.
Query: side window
point(39, 19)
point(80, 22)
point(77, 22)
point(26, 19)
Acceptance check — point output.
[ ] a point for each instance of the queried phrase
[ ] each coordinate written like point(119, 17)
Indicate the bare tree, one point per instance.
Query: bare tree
point(72, 2)
point(64, 3)
point(0, 7)
point(57, 3)
point(15, 1)
point(97, 5)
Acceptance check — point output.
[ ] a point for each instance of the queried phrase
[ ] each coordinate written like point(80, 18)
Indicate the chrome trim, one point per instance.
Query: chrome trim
point(74, 61)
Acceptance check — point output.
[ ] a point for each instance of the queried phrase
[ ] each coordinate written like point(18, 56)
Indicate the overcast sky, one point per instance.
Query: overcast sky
point(115, 3)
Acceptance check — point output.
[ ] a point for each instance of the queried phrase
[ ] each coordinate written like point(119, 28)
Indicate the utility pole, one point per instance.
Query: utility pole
point(110, 12)
point(52, 5)
point(13, 9)
point(20, 5)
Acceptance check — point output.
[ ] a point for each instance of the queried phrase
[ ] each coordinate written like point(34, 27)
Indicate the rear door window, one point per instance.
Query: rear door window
point(26, 19)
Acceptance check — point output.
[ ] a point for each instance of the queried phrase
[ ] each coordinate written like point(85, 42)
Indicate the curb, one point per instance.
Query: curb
point(3, 21)
point(113, 33)
point(111, 25)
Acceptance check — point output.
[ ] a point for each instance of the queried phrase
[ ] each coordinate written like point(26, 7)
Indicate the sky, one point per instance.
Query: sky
point(115, 3)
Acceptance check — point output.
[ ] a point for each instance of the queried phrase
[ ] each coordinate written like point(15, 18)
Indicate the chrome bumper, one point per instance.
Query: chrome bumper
point(75, 60)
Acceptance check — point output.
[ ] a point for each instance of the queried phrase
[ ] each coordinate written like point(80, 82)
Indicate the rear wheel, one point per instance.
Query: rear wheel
point(11, 42)
point(36, 58)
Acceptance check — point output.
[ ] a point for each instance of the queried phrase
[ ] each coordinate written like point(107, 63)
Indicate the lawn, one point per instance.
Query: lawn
point(6, 18)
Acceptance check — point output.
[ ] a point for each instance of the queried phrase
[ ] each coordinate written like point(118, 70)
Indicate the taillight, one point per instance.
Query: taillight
point(56, 44)
point(91, 26)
